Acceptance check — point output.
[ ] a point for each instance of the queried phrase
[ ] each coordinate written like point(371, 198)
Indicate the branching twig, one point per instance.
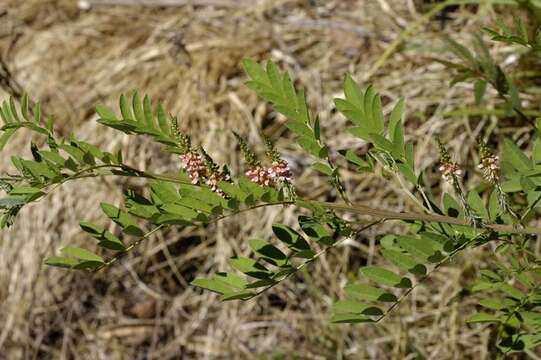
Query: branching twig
point(316, 256)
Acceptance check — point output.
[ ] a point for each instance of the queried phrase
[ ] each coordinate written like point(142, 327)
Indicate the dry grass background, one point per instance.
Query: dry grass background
point(189, 58)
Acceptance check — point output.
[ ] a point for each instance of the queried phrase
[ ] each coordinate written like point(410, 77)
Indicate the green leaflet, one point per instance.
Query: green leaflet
point(362, 164)
point(408, 172)
point(511, 291)
point(451, 206)
point(365, 292)
point(227, 284)
point(105, 238)
point(497, 303)
point(62, 262)
point(420, 248)
point(81, 254)
point(316, 230)
point(164, 192)
point(268, 252)
point(483, 317)
point(4, 138)
point(140, 117)
point(385, 277)
point(234, 191)
point(513, 157)
point(125, 221)
point(250, 267)
point(476, 203)
point(362, 108)
point(404, 262)
point(293, 240)
point(396, 130)
point(323, 168)
point(354, 307)
point(76, 258)
point(249, 187)
point(349, 318)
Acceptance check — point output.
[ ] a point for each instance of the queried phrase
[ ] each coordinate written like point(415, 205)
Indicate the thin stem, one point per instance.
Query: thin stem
point(391, 215)
point(337, 182)
point(426, 276)
point(126, 168)
point(530, 208)
point(89, 173)
point(316, 256)
point(410, 194)
point(359, 209)
point(130, 247)
point(390, 166)
point(135, 243)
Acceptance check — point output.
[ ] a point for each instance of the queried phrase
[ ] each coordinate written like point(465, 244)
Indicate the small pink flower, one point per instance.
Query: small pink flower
point(449, 170)
point(280, 171)
point(490, 167)
point(260, 176)
point(214, 180)
point(194, 165)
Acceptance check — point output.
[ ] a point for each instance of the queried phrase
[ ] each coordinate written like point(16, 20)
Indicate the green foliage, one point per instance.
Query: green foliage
point(277, 87)
point(511, 300)
point(292, 252)
point(497, 210)
point(517, 35)
point(481, 68)
point(140, 117)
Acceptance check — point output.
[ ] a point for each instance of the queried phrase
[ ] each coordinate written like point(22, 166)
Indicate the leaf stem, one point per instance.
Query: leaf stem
point(316, 256)
point(130, 247)
point(426, 276)
point(391, 215)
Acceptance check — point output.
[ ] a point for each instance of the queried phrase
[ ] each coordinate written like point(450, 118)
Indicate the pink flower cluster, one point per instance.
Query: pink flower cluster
point(197, 170)
point(260, 176)
point(194, 165)
point(279, 171)
point(448, 170)
point(213, 181)
point(490, 167)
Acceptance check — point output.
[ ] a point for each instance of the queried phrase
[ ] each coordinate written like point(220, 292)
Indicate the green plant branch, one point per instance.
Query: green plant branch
point(137, 173)
point(530, 208)
point(337, 182)
point(316, 256)
point(359, 209)
point(130, 247)
point(135, 243)
point(391, 215)
point(422, 279)
point(89, 173)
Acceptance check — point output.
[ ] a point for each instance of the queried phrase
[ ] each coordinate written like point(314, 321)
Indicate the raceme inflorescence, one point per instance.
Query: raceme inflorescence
point(499, 208)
